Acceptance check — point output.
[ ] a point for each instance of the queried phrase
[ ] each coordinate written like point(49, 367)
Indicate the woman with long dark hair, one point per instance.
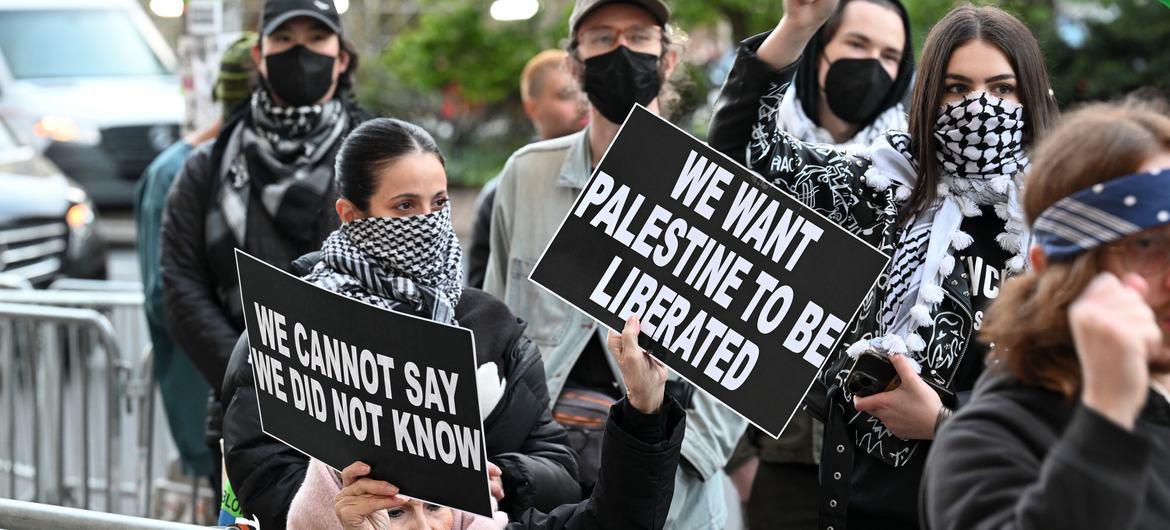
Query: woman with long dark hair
point(1068, 426)
point(941, 199)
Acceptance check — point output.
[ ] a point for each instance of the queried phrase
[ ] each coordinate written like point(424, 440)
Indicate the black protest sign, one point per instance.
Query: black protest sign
point(740, 289)
point(341, 380)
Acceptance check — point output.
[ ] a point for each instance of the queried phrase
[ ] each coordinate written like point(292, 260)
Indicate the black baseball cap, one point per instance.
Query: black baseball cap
point(582, 9)
point(277, 12)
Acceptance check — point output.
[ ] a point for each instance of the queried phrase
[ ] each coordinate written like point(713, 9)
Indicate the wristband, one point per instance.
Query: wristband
point(944, 414)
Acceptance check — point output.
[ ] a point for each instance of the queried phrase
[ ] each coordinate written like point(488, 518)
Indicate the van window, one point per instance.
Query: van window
point(74, 43)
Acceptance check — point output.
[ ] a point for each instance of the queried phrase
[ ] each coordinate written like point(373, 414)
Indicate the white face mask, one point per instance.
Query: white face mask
point(980, 136)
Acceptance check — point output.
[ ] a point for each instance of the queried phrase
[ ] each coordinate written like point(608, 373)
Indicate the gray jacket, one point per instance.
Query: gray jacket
point(537, 188)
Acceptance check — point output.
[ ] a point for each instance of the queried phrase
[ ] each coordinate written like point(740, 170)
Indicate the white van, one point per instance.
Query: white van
point(92, 85)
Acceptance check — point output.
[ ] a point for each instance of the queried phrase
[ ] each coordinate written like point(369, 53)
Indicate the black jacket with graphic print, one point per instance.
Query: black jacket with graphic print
point(520, 435)
point(876, 486)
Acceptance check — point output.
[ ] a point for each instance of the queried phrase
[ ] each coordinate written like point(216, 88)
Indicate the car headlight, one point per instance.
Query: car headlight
point(65, 129)
point(79, 216)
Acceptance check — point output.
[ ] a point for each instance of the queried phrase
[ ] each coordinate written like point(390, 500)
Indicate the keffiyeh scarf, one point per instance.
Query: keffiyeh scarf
point(982, 156)
point(283, 157)
point(408, 264)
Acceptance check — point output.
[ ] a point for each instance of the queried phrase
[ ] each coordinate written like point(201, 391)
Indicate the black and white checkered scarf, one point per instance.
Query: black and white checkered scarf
point(283, 157)
point(981, 154)
point(409, 264)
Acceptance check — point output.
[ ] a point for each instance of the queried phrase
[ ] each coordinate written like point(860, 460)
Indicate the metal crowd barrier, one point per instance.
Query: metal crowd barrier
point(20, 515)
point(58, 349)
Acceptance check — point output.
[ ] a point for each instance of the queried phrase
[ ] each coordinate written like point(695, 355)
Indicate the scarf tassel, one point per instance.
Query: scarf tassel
point(915, 343)
point(946, 266)
point(1016, 263)
point(968, 206)
point(877, 179)
point(961, 240)
point(921, 315)
point(1009, 241)
point(932, 294)
point(1001, 183)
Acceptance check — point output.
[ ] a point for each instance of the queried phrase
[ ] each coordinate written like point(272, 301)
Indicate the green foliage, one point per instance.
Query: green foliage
point(1117, 57)
point(453, 53)
point(459, 45)
point(746, 17)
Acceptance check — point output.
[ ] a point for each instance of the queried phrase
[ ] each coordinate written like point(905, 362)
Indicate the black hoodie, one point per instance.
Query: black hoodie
point(1022, 457)
point(808, 89)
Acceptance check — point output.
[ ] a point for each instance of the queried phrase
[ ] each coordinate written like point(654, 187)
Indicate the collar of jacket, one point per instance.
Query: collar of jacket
point(576, 169)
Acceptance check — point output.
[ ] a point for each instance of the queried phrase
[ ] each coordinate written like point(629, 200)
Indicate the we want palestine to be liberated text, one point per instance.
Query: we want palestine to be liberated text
point(776, 233)
point(291, 376)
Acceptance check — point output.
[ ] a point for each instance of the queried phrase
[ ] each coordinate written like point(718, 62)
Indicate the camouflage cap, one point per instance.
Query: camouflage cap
point(237, 73)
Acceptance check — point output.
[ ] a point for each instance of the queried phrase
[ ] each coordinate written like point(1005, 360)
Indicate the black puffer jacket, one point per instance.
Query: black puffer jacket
point(540, 470)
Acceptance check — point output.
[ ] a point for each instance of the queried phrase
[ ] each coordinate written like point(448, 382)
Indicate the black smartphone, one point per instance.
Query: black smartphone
point(871, 373)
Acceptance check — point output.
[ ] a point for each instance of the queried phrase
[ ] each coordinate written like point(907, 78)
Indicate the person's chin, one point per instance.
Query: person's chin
point(1160, 363)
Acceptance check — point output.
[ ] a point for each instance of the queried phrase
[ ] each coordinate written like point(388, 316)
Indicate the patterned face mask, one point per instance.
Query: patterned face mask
point(419, 247)
point(980, 136)
point(400, 260)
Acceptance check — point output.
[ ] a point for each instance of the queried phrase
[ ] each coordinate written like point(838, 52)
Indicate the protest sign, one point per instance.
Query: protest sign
point(740, 289)
point(341, 380)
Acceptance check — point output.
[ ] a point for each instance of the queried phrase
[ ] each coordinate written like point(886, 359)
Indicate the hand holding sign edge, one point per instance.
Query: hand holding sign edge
point(359, 497)
point(644, 376)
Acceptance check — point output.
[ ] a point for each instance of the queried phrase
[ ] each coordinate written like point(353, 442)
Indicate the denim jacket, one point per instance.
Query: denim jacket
point(537, 188)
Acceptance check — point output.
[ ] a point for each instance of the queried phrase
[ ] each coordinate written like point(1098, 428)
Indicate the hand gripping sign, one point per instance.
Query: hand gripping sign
point(741, 289)
point(341, 380)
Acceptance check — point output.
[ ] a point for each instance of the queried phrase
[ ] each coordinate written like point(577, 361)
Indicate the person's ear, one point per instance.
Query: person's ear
point(258, 60)
point(530, 109)
point(342, 61)
point(347, 211)
point(1037, 258)
point(669, 61)
point(575, 68)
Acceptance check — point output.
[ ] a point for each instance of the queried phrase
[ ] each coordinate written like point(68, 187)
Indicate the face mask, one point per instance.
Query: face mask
point(615, 81)
point(420, 247)
point(980, 135)
point(856, 88)
point(299, 76)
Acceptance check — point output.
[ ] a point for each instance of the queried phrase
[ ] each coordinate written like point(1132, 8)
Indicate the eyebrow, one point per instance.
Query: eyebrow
point(867, 40)
point(857, 35)
point(992, 79)
point(405, 196)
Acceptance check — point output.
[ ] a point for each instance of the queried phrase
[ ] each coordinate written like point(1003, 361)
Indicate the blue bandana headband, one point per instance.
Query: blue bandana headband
point(1104, 213)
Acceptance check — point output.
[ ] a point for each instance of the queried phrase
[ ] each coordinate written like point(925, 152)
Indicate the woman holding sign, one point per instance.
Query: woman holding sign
point(640, 453)
point(396, 249)
point(941, 199)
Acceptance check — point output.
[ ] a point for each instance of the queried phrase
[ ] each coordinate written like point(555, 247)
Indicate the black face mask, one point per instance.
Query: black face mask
point(856, 88)
point(615, 81)
point(299, 76)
